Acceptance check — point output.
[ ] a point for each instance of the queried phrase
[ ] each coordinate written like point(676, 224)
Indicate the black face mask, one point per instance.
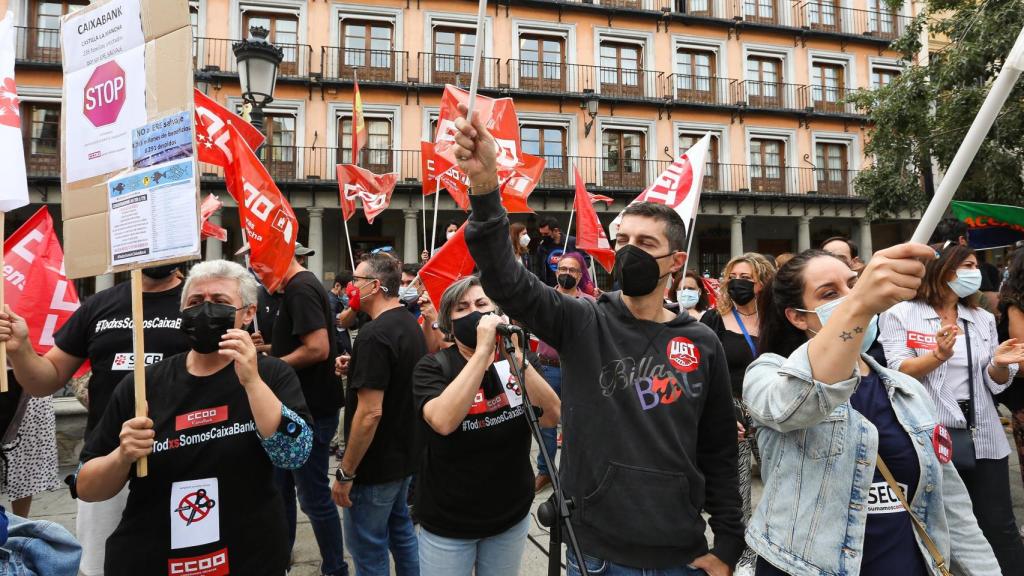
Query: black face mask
point(636, 271)
point(205, 323)
point(464, 329)
point(160, 272)
point(567, 281)
point(741, 290)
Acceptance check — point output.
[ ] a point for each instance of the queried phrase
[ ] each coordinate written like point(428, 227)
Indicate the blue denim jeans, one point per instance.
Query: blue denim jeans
point(553, 375)
point(38, 548)
point(379, 521)
point(498, 555)
point(314, 492)
point(596, 566)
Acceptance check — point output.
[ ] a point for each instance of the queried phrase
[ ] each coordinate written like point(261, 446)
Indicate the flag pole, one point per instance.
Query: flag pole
point(433, 234)
point(3, 345)
point(689, 241)
point(423, 219)
point(478, 48)
point(568, 228)
point(1001, 88)
point(348, 239)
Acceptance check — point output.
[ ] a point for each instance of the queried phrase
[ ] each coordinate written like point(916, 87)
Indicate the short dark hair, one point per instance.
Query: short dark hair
point(411, 268)
point(345, 276)
point(853, 247)
point(675, 229)
point(388, 270)
point(548, 222)
point(949, 230)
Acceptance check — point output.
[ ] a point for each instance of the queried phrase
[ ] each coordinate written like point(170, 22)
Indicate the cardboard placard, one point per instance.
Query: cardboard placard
point(127, 65)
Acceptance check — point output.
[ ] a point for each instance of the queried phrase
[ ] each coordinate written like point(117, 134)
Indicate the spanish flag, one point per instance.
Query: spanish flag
point(358, 126)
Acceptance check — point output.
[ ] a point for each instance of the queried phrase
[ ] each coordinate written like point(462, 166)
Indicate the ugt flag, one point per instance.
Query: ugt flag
point(14, 192)
point(678, 186)
point(990, 225)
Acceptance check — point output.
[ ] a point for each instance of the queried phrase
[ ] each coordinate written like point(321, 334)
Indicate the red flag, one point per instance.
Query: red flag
point(36, 286)
point(590, 235)
point(601, 198)
point(498, 115)
point(210, 230)
point(428, 168)
point(372, 190)
point(358, 125)
point(266, 216)
point(711, 287)
point(454, 180)
point(517, 185)
point(451, 262)
point(212, 133)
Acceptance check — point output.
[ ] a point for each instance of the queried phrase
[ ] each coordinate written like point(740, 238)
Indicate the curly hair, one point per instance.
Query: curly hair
point(763, 269)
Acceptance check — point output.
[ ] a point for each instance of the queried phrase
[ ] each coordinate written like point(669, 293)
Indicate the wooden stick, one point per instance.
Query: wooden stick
point(138, 320)
point(3, 345)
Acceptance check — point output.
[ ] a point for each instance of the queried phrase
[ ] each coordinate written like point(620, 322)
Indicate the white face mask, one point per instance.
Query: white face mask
point(524, 240)
point(449, 235)
point(967, 282)
point(687, 298)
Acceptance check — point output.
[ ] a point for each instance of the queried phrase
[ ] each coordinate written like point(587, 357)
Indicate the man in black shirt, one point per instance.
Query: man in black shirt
point(303, 338)
point(101, 332)
point(381, 453)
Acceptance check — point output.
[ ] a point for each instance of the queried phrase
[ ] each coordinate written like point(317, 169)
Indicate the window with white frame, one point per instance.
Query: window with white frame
point(883, 75)
point(452, 60)
point(283, 26)
point(376, 155)
point(831, 167)
point(694, 79)
point(542, 61)
point(550, 141)
point(623, 157)
point(621, 67)
point(367, 47)
point(764, 81)
point(882, 19)
point(828, 84)
point(767, 164)
point(712, 169)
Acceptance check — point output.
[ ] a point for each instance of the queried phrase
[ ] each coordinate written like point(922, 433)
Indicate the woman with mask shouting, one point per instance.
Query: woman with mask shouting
point(475, 483)
point(945, 340)
point(221, 419)
point(735, 321)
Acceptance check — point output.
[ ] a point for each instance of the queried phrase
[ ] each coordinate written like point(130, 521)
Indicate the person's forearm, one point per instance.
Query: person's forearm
point(102, 478)
point(921, 366)
point(444, 413)
point(360, 436)
point(544, 397)
point(36, 374)
point(433, 337)
point(347, 318)
point(265, 407)
point(303, 357)
point(834, 352)
point(999, 374)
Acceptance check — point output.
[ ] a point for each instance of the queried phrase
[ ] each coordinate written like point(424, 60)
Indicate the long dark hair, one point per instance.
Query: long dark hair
point(785, 290)
point(702, 300)
point(933, 286)
point(1012, 291)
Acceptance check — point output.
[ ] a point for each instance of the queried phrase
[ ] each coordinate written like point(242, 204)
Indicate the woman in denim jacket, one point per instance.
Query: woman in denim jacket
point(826, 412)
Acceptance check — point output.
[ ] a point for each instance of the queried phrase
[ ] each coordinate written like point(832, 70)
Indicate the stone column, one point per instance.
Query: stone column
point(104, 281)
point(865, 239)
point(737, 236)
point(315, 262)
point(803, 238)
point(411, 244)
point(214, 247)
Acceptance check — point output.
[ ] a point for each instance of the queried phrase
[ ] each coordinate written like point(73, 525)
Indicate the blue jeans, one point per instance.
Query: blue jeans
point(378, 521)
point(314, 491)
point(596, 566)
point(553, 374)
point(497, 555)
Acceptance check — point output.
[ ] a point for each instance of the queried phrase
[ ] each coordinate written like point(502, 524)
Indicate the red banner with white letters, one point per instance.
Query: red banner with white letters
point(372, 190)
point(212, 133)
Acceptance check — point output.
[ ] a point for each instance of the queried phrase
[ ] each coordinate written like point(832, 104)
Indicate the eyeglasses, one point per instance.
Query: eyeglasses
point(367, 278)
point(561, 270)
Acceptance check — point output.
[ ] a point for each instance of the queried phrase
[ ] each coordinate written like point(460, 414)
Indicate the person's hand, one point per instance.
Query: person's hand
point(238, 346)
point(741, 432)
point(945, 338)
point(712, 565)
point(13, 330)
point(427, 309)
point(487, 334)
point(424, 256)
point(1009, 352)
point(476, 152)
point(340, 492)
point(136, 439)
point(892, 276)
point(341, 365)
point(257, 338)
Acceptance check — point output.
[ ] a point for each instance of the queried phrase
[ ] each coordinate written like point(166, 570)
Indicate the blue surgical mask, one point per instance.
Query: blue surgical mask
point(687, 298)
point(967, 282)
point(826, 309)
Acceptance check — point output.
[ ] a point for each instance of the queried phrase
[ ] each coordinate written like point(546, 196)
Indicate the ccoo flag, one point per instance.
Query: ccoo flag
point(14, 193)
point(990, 225)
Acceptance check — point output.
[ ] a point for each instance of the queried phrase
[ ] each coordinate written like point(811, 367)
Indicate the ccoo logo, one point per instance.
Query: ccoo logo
point(105, 94)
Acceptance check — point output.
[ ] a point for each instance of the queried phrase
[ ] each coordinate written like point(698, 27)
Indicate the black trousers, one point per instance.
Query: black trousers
point(989, 487)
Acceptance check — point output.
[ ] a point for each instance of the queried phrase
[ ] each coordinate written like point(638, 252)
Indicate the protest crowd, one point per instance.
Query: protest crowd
point(824, 412)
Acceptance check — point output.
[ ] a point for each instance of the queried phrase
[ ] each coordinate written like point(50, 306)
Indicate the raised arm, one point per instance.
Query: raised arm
point(38, 375)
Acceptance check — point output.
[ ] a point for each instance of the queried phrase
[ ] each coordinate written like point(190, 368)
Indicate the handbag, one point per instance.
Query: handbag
point(933, 550)
point(963, 438)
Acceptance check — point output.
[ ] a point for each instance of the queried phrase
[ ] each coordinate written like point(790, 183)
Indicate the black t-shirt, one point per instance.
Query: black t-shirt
point(477, 481)
point(383, 357)
point(738, 354)
point(101, 331)
point(305, 309)
point(267, 305)
point(210, 492)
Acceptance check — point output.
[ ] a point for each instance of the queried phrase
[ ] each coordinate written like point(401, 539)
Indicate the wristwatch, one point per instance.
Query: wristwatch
point(340, 476)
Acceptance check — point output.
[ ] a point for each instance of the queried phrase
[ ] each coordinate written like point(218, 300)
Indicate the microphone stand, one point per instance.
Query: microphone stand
point(553, 515)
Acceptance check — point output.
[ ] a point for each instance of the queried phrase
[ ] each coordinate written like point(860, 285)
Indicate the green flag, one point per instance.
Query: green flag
point(990, 225)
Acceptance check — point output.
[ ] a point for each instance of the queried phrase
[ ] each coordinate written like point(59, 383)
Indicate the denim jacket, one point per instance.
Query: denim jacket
point(38, 548)
point(818, 464)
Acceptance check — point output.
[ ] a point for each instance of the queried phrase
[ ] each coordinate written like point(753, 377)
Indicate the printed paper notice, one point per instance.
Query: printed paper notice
point(154, 214)
point(166, 139)
point(195, 513)
point(104, 87)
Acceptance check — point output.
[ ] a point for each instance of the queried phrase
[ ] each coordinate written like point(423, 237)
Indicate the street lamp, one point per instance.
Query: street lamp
point(591, 104)
point(258, 61)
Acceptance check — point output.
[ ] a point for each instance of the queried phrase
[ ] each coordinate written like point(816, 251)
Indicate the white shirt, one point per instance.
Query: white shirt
point(904, 325)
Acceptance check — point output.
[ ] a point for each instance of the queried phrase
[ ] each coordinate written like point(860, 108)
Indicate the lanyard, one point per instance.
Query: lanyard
point(750, 342)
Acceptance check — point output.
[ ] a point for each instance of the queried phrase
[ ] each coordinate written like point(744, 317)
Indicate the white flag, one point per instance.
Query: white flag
point(679, 186)
point(14, 191)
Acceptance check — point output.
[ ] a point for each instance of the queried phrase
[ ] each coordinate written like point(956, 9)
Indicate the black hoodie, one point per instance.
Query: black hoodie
point(649, 432)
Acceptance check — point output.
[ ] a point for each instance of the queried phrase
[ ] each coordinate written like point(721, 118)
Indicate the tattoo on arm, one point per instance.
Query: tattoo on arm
point(846, 336)
point(858, 330)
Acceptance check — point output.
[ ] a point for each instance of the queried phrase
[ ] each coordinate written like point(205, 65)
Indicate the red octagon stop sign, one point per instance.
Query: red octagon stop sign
point(104, 94)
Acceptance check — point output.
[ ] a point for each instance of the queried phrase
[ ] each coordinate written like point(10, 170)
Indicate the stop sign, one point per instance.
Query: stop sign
point(104, 94)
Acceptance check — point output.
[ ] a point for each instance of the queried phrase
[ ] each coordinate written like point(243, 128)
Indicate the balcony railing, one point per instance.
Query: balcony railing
point(710, 90)
point(771, 95)
point(369, 65)
point(830, 100)
point(216, 55)
point(434, 68)
point(828, 16)
point(38, 46)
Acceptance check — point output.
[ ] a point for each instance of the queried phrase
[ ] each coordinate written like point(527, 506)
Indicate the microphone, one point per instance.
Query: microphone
point(507, 330)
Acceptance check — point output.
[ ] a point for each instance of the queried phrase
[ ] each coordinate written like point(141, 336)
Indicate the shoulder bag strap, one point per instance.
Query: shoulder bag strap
point(970, 378)
point(743, 328)
point(933, 550)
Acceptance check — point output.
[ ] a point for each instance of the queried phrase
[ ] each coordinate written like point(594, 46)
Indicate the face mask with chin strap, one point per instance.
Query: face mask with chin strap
point(826, 309)
point(636, 271)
